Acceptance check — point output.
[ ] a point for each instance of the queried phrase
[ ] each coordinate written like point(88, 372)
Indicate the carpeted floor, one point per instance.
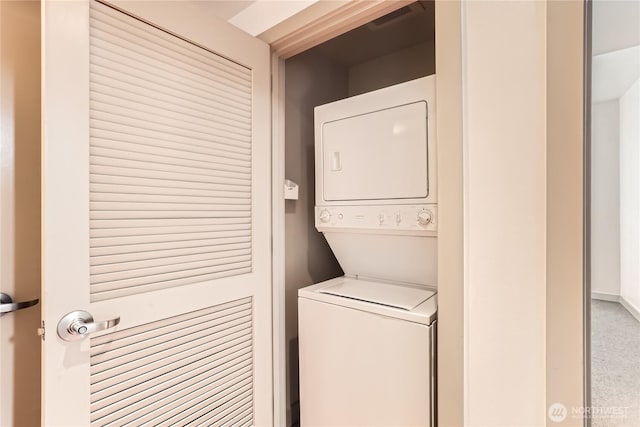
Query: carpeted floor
point(615, 365)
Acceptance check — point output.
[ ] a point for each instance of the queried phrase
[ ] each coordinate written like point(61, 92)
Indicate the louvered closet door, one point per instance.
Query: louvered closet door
point(156, 202)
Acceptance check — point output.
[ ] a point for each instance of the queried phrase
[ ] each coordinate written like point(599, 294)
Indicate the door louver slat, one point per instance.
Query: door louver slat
point(113, 340)
point(192, 368)
point(133, 172)
point(170, 160)
point(116, 103)
point(232, 319)
point(136, 145)
point(133, 90)
point(232, 411)
point(157, 103)
point(111, 150)
point(144, 250)
point(114, 398)
point(165, 229)
point(237, 392)
point(166, 270)
point(162, 256)
point(170, 46)
point(126, 132)
point(166, 166)
point(99, 189)
point(103, 57)
point(185, 260)
point(169, 280)
point(145, 88)
point(151, 125)
point(139, 118)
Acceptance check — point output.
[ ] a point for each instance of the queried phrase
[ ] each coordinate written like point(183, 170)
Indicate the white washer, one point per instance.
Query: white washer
point(367, 354)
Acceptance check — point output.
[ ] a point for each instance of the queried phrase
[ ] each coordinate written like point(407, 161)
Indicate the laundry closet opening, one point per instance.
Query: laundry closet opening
point(393, 49)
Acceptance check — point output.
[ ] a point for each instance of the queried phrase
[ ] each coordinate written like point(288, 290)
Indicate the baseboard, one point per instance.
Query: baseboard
point(604, 296)
point(630, 308)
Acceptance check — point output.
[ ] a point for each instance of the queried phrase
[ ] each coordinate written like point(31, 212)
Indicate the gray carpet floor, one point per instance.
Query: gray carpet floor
point(615, 365)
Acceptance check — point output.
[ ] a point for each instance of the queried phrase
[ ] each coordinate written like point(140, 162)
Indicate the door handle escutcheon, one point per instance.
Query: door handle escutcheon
point(78, 324)
point(7, 305)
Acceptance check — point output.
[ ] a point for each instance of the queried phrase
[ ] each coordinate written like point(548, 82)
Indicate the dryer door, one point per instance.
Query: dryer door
point(378, 155)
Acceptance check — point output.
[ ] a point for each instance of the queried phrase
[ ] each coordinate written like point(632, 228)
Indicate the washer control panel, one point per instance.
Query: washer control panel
point(383, 217)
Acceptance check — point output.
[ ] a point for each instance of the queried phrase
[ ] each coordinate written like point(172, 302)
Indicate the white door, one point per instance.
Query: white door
point(156, 211)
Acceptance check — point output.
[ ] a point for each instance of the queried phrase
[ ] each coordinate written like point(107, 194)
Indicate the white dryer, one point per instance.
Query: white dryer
point(366, 340)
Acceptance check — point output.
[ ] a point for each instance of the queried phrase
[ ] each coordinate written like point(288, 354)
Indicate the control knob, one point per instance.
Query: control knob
point(325, 216)
point(424, 217)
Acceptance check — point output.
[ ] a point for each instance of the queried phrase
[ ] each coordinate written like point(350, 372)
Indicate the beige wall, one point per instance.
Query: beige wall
point(523, 100)
point(310, 80)
point(20, 210)
point(504, 102)
point(397, 67)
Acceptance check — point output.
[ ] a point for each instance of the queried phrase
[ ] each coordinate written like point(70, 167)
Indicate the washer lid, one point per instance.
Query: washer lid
point(398, 296)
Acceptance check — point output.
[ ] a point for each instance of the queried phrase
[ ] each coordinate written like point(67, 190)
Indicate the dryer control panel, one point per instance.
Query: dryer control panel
point(418, 219)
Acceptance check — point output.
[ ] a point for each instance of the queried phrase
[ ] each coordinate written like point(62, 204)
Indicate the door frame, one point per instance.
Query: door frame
point(310, 33)
point(586, 188)
point(279, 344)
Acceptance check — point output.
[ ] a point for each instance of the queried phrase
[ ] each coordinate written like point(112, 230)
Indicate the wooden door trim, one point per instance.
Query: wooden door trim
point(328, 25)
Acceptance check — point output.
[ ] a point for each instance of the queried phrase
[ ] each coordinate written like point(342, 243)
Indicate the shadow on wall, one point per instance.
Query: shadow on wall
point(311, 80)
point(293, 373)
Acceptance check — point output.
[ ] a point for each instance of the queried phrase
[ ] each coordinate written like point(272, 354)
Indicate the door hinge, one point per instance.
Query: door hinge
point(41, 331)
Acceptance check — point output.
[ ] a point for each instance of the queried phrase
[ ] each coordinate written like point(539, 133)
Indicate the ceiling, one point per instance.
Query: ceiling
point(616, 25)
point(224, 9)
point(616, 48)
point(613, 73)
point(254, 16)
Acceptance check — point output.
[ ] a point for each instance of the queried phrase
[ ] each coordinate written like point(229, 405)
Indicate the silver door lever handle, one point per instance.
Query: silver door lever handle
point(7, 305)
point(78, 324)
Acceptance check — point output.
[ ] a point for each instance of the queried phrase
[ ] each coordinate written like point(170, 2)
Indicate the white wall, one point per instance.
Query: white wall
point(630, 196)
point(504, 78)
point(605, 200)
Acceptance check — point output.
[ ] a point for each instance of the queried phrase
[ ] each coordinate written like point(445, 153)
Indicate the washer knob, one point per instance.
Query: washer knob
point(325, 216)
point(424, 217)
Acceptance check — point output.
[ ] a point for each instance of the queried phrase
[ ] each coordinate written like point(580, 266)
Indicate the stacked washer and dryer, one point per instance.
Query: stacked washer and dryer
point(367, 339)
